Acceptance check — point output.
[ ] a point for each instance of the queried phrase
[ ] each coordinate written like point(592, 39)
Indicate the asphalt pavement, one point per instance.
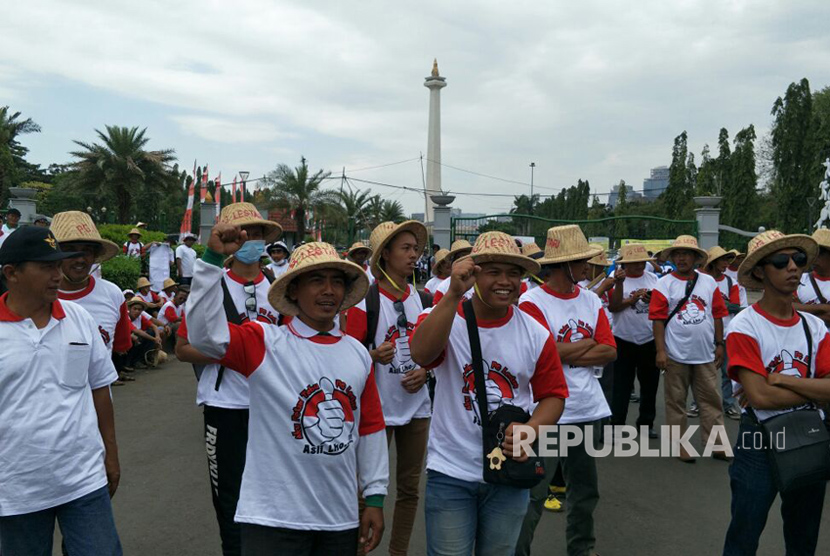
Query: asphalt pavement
point(649, 506)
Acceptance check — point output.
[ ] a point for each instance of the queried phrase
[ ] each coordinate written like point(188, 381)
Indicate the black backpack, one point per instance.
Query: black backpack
point(373, 310)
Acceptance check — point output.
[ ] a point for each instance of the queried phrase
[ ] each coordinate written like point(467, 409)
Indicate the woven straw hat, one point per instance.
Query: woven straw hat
point(137, 300)
point(686, 242)
point(168, 283)
point(142, 283)
point(532, 250)
point(246, 214)
point(459, 248)
point(135, 231)
point(716, 253)
point(498, 247)
point(358, 246)
point(822, 237)
point(567, 243)
point(601, 259)
point(316, 256)
point(386, 231)
point(440, 255)
point(769, 242)
point(633, 253)
point(74, 225)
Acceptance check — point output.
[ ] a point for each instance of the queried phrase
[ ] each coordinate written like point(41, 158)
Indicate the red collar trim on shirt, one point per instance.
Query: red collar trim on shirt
point(723, 277)
point(571, 295)
point(7, 315)
point(684, 278)
point(821, 278)
point(391, 296)
point(336, 335)
point(792, 321)
point(489, 323)
point(240, 280)
point(73, 296)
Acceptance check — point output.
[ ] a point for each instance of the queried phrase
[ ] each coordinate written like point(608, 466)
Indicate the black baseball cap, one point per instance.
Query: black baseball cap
point(33, 243)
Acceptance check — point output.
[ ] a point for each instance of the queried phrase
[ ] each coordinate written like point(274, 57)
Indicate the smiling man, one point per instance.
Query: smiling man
point(316, 430)
point(57, 438)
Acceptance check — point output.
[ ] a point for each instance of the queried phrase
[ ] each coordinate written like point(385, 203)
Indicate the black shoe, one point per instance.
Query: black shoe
point(653, 434)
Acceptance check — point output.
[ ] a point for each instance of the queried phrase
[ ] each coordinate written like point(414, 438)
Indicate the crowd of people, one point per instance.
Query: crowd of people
point(311, 367)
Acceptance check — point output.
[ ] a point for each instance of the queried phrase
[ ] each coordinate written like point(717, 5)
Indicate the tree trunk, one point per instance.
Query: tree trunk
point(124, 201)
point(299, 218)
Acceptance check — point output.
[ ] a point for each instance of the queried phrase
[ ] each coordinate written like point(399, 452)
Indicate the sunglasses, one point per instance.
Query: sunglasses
point(782, 260)
point(250, 302)
point(398, 306)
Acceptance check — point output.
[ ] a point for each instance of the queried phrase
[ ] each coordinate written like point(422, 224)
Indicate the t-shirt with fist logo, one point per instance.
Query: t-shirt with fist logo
point(632, 324)
point(690, 336)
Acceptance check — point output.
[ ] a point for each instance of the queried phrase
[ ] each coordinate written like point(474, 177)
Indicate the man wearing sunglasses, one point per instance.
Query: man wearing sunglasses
point(687, 312)
point(779, 371)
point(814, 290)
point(225, 395)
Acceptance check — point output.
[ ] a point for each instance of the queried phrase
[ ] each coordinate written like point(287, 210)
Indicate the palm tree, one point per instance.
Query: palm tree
point(392, 211)
point(11, 151)
point(120, 167)
point(374, 211)
point(353, 206)
point(294, 190)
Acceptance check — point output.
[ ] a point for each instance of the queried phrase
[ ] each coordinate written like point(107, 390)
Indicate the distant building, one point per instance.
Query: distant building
point(657, 183)
point(630, 195)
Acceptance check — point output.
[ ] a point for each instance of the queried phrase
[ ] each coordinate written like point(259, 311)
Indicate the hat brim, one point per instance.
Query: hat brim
point(590, 253)
point(141, 302)
point(702, 254)
point(645, 259)
point(414, 227)
point(356, 291)
point(728, 254)
point(797, 241)
point(537, 255)
point(522, 261)
point(108, 248)
point(51, 257)
point(459, 252)
point(272, 230)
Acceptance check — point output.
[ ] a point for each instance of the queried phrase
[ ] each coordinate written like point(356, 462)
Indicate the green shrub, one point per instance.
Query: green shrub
point(122, 270)
point(118, 233)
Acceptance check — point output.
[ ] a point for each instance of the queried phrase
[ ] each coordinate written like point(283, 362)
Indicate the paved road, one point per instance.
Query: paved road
point(649, 506)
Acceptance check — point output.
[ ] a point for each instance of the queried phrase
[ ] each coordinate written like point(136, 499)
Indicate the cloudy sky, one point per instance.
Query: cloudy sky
point(591, 90)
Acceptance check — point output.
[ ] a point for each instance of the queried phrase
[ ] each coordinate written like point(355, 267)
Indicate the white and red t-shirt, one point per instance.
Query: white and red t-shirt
point(151, 297)
point(764, 344)
point(443, 287)
point(521, 367)
point(105, 302)
point(234, 392)
point(170, 314)
point(690, 336)
point(570, 318)
point(142, 322)
point(734, 275)
point(164, 297)
point(605, 297)
point(431, 284)
point(729, 295)
point(632, 323)
point(399, 406)
point(316, 432)
point(51, 450)
point(133, 249)
point(807, 294)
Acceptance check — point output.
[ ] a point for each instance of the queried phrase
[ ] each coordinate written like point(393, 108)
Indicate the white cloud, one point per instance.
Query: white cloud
point(226, 130)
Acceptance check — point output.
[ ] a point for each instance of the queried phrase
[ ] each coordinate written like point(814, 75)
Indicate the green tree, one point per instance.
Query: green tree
point(293, 189)
point(120, 166)
point(374, 211)
point(723, 164)
point(621, 209)
point(392, 211)
point(795, 155)
point(741, 199)
point(678, 194)
point(353, 208)
point(706, 175)
point(12, 152)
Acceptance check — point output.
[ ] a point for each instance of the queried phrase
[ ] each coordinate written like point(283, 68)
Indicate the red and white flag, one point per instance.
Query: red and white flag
point(233, 190)
point(217, 198)
point(188, 212)
point(203, 189)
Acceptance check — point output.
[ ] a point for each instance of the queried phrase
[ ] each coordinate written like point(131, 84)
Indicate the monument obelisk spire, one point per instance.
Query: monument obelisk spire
point(434, 83)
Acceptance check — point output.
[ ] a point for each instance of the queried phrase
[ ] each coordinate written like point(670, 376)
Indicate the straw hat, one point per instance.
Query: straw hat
point(315, 256)
point(168, 283)
point(386, 231)
point(246, 214)
point(686, 242)
point(74, 225)
point(532, 250)
point(769, 242)
point(142, 283)
point(601, 259)
point(822, 237)
point(440, 255)
point(716, 253)
point(498, 247)
point(459, 248)
point(135, 231)
point(633, 253)
point(137, 300)
point(567, 243)
point(358, 246)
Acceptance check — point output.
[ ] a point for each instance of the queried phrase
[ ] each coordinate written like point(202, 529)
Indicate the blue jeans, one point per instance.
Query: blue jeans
point(754, 491)
point(87, 526)
point(726, 385)
point(463, 514)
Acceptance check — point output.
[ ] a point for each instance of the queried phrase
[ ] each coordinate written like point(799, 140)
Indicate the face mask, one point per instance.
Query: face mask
point(280, 262)
point(251, 251)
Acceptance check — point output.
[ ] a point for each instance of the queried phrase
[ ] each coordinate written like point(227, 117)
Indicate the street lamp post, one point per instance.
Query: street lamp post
point(243, 175)
point(532, 167)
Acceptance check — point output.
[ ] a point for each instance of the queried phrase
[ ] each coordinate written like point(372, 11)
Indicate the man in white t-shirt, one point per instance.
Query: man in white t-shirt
point(57, 439)
point(224, 395)
point(185, 258)
point(133, 247)
point(161, 256)
point(580, 327)
point(316, 429)
point(629, 301)
point(358, 253)
point(779, 371)
point(813, 294)
point(459, 248)
point(521, 369)
point(400, 381)
point(687, 313)
point(278, 253)
point(440, 270)
point(12, 219)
